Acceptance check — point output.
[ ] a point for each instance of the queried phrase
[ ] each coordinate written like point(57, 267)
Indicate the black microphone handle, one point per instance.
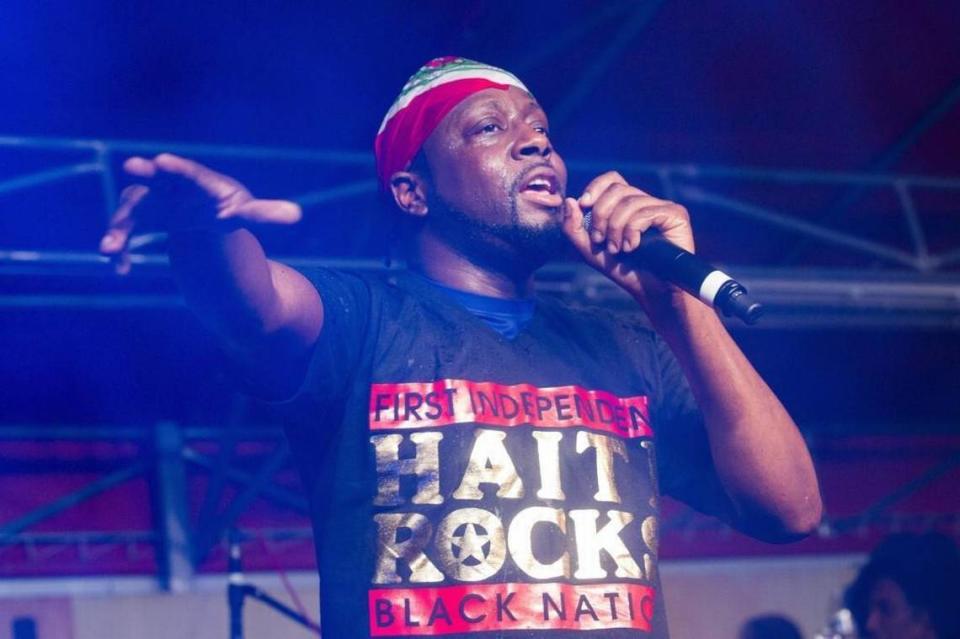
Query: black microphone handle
point(712, 286)
point(673, 264)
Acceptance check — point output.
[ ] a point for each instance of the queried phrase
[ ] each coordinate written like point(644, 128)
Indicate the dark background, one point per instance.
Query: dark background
point(840, 86)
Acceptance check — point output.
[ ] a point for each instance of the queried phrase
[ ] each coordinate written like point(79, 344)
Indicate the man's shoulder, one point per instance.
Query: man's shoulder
point(323, 274)
point(366, 287)
point(376, 281)
point(383, 298)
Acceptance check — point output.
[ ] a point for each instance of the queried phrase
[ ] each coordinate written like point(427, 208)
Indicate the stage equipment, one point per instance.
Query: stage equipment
point(238, 590)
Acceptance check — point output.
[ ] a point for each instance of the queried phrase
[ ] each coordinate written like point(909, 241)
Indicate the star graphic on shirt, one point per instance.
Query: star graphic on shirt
point(471, 544)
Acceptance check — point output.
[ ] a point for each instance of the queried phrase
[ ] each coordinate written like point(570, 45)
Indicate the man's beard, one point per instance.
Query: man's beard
point(497, 244)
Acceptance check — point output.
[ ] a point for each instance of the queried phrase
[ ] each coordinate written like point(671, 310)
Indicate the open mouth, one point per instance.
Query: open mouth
point(542, 187)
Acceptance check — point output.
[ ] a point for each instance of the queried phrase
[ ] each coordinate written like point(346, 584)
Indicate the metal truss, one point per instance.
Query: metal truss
point(880, 517)
point(914, 287)
point(179, 540)
point(881, 511)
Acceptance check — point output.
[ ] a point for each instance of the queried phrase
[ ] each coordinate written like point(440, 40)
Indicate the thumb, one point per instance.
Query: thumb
point(264, 212)
point(573, 226)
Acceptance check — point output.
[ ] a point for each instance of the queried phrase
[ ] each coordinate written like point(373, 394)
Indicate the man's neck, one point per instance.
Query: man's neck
point(442, 263)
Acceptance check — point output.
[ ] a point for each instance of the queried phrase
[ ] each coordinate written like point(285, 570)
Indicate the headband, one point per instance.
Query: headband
point(427, 97)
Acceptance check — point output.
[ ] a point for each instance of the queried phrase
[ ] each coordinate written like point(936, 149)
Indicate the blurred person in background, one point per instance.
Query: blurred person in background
point(908, 589)
point(769, 627)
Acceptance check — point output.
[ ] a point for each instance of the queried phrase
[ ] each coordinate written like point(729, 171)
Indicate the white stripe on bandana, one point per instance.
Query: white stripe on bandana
point(444, 76)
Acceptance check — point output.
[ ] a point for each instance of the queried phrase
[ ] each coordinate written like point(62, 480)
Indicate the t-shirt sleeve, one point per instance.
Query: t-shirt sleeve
point(685, 465)
point(346, 299)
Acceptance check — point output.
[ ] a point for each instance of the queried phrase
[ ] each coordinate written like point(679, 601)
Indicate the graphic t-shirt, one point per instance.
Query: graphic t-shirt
point(466, 484)
point(507, 317)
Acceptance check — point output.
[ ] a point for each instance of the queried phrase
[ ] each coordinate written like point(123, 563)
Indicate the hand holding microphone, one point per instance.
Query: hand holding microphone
point(606, 225)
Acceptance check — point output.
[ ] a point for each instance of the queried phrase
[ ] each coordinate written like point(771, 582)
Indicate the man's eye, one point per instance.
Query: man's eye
point(489, 128)
point(541, 130)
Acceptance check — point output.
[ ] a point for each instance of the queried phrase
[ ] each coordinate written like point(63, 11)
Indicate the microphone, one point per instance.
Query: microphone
point(672, 264)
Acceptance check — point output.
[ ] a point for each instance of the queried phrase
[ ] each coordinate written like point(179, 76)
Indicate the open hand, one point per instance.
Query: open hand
point(176, 194)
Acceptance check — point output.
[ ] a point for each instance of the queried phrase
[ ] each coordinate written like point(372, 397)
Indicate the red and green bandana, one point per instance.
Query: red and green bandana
point(427, 97)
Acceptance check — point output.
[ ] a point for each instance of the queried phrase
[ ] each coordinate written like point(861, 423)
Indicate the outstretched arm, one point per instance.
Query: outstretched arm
point(759, 455)
point(267, 315)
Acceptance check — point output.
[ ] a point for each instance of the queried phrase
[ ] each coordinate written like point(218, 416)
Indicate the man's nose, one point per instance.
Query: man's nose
point(533, 142)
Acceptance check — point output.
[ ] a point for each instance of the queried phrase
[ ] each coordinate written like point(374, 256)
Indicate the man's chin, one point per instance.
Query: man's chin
point(533, 215)
point(542, 242)
point(533, 236)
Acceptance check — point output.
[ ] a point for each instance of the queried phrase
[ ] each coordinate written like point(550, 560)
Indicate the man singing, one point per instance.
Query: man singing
point(478, 458)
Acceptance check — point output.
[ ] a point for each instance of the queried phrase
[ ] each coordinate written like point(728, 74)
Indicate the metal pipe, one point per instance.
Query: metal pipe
point(72, 499)
point(46, 177)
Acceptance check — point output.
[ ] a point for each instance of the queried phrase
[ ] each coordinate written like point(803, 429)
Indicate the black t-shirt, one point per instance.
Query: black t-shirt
point(462, 483)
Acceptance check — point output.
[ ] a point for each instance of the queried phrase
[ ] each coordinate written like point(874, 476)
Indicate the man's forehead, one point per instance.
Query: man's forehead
point(498, 99)
point(428, 100)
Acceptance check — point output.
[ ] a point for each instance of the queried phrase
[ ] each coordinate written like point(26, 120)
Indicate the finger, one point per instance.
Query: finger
point(140, 167)
point(633, 234)
point(591, 194)
point(634, 230)
point(598, 215)
point(626, 208)
point(216, 185)
point(122, 221)
point(575, 231)
point(667, 218)
point(265, 212)
point(122, 263)
point(597, 186)
point(169, 191)
point(606, 205)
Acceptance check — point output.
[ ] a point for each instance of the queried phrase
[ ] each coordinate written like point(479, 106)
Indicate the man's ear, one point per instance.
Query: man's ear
point(409, 192)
